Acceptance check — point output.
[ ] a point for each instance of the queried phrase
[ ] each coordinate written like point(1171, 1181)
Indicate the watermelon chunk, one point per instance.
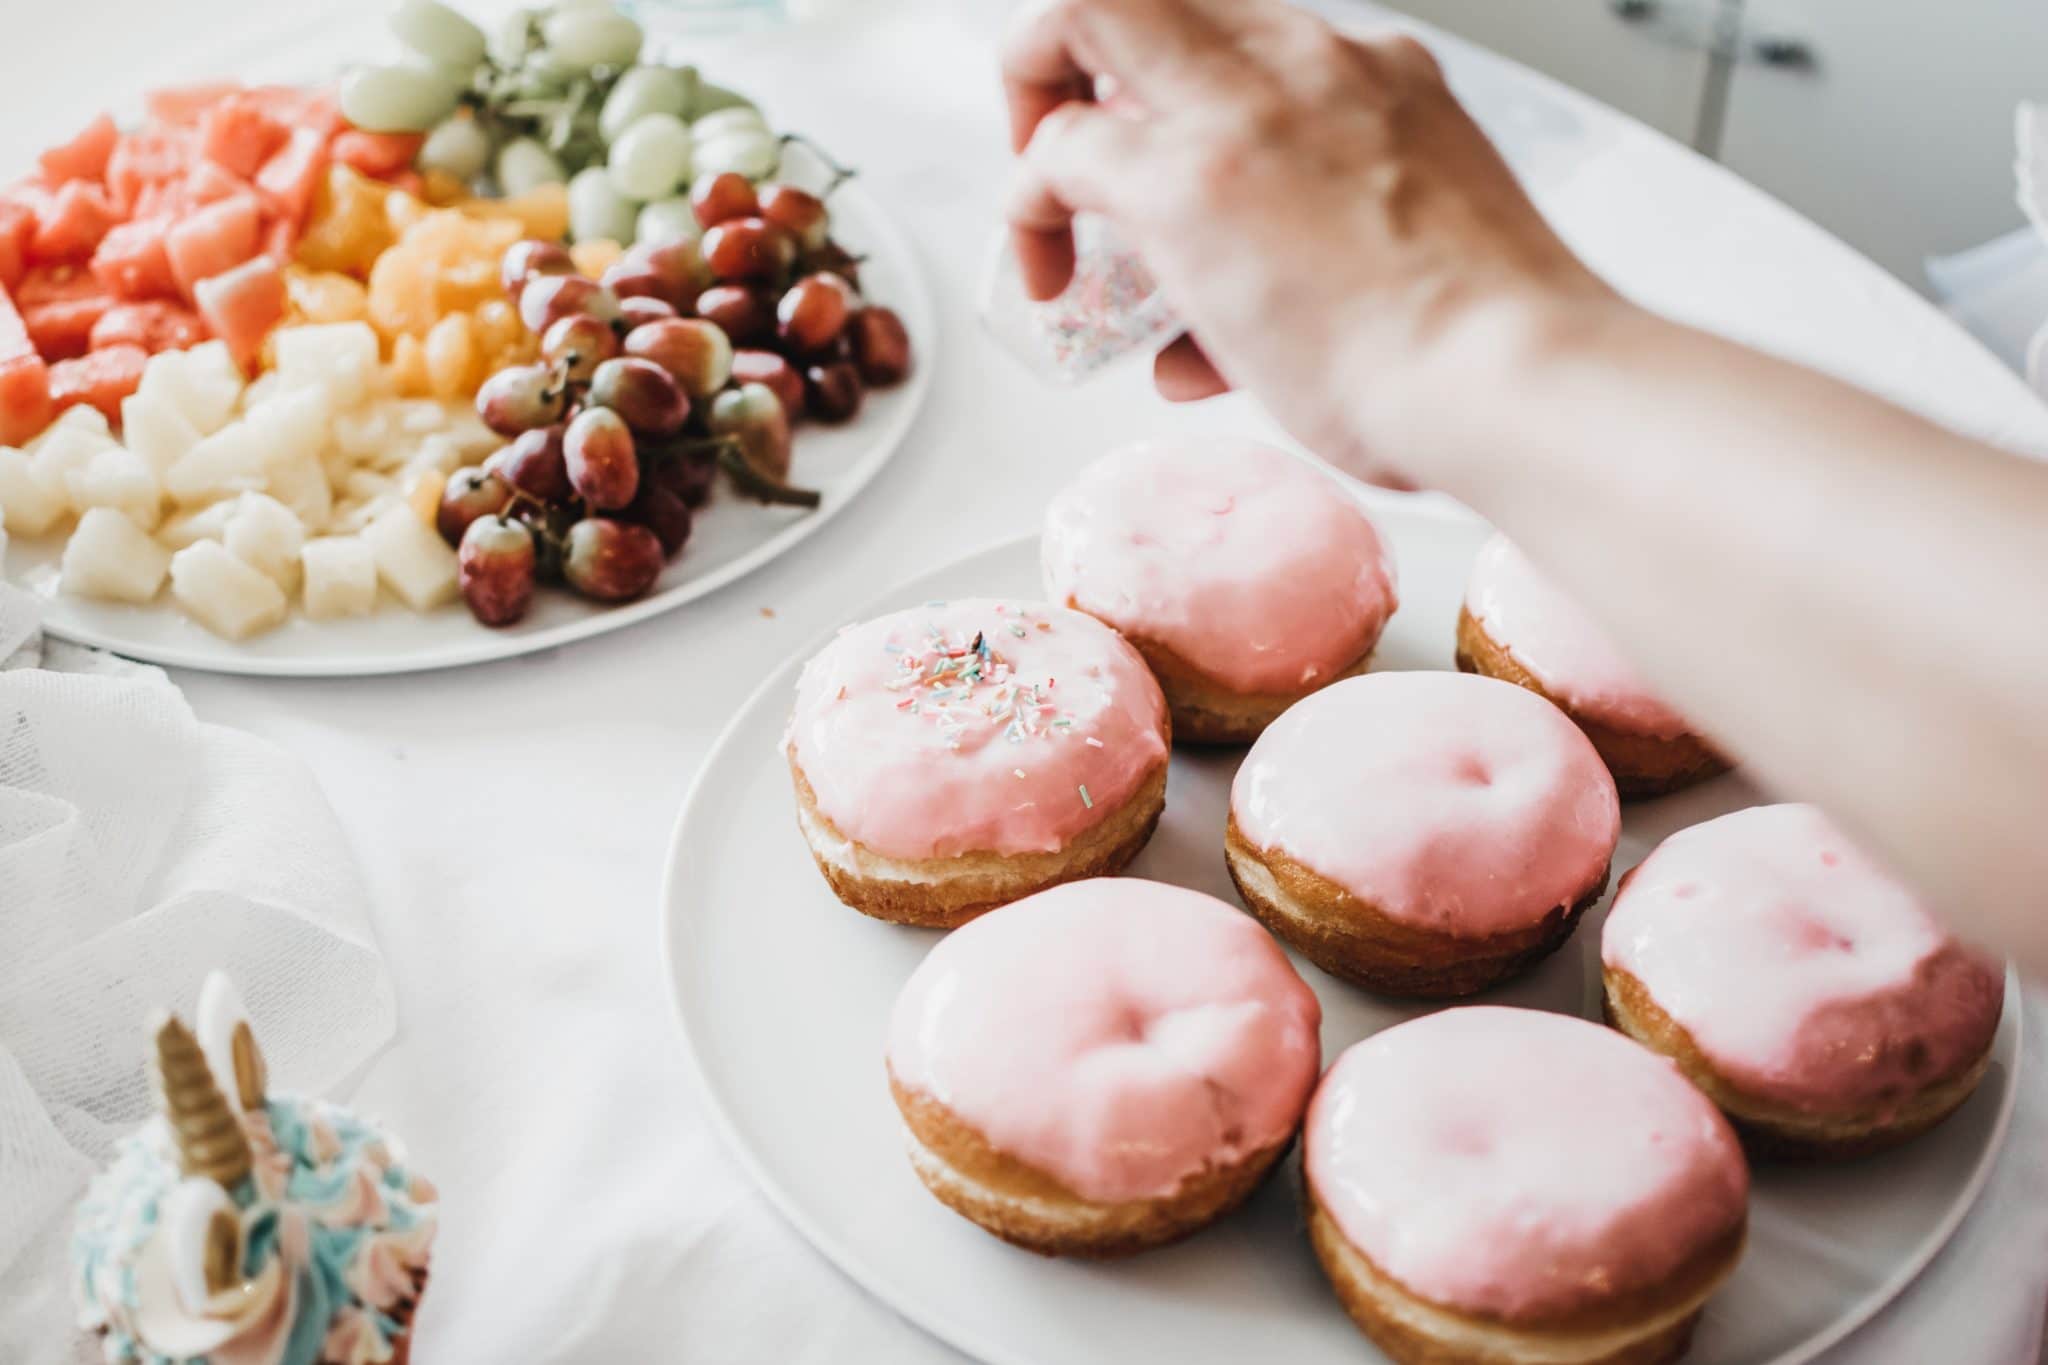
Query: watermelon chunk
point(85, 156)
point(71, 224)
point(154, 325)
point(299, 106)
point(213, 239)
point(131, 261)
point(242, 305)
point(59, 305)
point(292, 175)
point(185, 105)
point(145, 158)
point(17, 225)
point(208, 182)
point(376, 155)
point(25, 406)
point(239, 135)
point(102, 379)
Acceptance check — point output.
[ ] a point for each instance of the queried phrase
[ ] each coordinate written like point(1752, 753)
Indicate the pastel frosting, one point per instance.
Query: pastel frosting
point(1118, 1035)
point(1550, 635)
point(978, 725)
point(1448, 801)
point(329, 1198)
point(1520, 1164)
point(1802, 970)
point(1250, 565)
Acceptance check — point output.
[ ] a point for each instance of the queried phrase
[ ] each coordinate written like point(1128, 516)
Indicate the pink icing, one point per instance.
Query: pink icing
point(1557, 642)
point(1449, 801)
point(917, 746)
point(1520, 1164)
point(1802, 970)
point(1247, 563)
point(1119, 1035)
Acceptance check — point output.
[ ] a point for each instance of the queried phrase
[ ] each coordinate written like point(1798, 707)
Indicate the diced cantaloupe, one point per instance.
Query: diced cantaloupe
point(222, 593)
point(412, 559)
point(29, 505)
point(110, 557)
point(117, 478)
point(340, 575)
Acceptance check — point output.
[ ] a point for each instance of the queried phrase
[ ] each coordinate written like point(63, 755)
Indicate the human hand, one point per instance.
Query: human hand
point(1328, 221)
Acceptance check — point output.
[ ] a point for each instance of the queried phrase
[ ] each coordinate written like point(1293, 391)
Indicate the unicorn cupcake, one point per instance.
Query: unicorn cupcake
point(241, 1227)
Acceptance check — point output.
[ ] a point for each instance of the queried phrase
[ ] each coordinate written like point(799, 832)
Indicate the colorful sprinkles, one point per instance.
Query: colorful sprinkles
point(963, 684)
point(1111, 308)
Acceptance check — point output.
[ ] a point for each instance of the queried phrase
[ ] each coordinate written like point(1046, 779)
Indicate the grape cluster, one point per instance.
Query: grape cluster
point(689, 356)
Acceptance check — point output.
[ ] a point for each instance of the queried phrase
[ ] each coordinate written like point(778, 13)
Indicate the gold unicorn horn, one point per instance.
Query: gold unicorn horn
point(223, 1251)
point(210, 1139)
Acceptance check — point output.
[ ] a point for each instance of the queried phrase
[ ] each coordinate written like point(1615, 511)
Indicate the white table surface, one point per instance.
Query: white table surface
point(512, 818)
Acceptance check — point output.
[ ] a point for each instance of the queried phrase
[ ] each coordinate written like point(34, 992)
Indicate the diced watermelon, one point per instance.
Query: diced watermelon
point(24, 379)
point(132, 262)
point(102, 379)
point(17, 225)
point(213, 239)
point(242, 305)
point(289, 180)
point(280, 235)
point(239, 135)
point(185, 105)
point(85, 156)
point(59, 305)
point(72, 223)
point(299, 106)
point(377, 155)
point(144, 158)
point(208, 182)
point(154, 326)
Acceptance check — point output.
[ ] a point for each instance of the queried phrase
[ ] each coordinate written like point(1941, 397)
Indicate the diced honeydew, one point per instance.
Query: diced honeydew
point(204, 523)
point(222, 593)
point(264, 534)
point(111, 558)
point(29, 506)
point(412, 559)
point(117, 478)
point(157, 430)
point(340, 576)
point(230, 461)
point(340, 357)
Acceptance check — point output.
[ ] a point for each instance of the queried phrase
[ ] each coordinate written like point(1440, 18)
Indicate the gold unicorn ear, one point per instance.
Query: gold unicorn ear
point(221, 1251)
point(210, 1138)
point(230, 1044)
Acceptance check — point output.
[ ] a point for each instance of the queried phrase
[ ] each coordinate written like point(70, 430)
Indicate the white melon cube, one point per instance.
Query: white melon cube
point(66, 449)
point(77, 417)
point(28, 505)
point(367, 485)
point(262, 389)
point(230, 461)
point(412, 559)
point(470, 435)
point(339, 357)
point(303, 487)
point(117, 478)
point(341, 577)
point(437, 454)
point(203, 384)
point(364, 433)
point(264, 534)
point(222, 593)
point(292, 425)
point(202, 523)
point(110, 557)
point(156, 429)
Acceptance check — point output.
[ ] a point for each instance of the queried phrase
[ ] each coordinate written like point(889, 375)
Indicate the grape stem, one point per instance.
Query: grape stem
point(752, 482)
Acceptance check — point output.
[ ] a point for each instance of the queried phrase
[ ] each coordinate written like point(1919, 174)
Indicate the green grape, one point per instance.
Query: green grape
point(667, 220)
point(525, 165)
point(510, 38)
point(457, 146)
point(584, 38)
point(722, 122)
point(709, 99)
point(643, 90)
point(438, 33)
point(753, 153)
point(597, 209)
point(397, 99)
point(651, 158)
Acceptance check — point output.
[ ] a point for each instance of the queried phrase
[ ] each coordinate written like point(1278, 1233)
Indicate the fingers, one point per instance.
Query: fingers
point(1070, 165)
point(1160, 52)
point(1183, 374)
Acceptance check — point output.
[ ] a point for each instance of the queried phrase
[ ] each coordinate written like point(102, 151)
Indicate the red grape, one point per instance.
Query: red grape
point(766, 367)
point(752, 416)
point(524, 260)
point(579, 343)
point(549, 298)
point(611, 560)
point(631, 281)
point(534, 465)
point(832, 392)
point(748, 249)
point(641, 392)
point(684, 470)
point(680, 268)
point(814, 311)
point(742, 312)
point(723, 196)
point(519, 399)
point(798, 212)
point(468, 495)
point(496, 567)
point(695, 353)
point(603, 468)
point(641, 310)
point(881, 346)
point(662, 512)
point(835, 258)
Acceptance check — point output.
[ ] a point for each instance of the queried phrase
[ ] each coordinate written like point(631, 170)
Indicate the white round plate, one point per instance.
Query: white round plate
point(783, 992)
point(731, 535)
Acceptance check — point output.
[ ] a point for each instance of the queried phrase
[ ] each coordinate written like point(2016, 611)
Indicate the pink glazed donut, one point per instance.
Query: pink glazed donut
point(1489, 1184)
point(1422, 834)
point(1798, 984)
point(959, 755)
point(1517, 626)
point(1102, 1067)
point(1245, 576)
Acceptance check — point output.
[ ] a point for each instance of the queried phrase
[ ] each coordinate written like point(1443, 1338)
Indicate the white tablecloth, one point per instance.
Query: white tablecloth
point(512, 819)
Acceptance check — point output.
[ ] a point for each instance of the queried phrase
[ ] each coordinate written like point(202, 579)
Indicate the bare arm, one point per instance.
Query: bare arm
point(1847, 597)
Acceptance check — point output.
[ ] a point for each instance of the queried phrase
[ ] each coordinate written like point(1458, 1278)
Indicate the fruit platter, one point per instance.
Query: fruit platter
point(502, 340)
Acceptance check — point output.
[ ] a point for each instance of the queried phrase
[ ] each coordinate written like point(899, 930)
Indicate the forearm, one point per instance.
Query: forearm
point(1850, 599)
